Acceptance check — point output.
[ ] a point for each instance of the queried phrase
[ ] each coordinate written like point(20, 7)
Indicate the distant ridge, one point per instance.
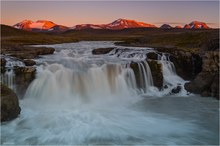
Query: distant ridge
point(49, 26)
point(40, 25)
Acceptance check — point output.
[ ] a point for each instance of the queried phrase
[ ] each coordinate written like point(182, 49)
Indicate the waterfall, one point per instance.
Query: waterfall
point(170, 78)
point(146, 80)
point(78, 98)
point(108, 82)
point(8, 78)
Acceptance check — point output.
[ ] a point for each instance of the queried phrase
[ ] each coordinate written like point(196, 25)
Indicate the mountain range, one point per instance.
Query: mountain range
point(49, 26)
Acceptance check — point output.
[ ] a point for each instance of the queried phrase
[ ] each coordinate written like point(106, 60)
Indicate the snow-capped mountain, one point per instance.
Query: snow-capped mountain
point(40, 25)
point(166, 26)
point(49, 26)
point(124, 23)
point(116, 25)
point(196, 25)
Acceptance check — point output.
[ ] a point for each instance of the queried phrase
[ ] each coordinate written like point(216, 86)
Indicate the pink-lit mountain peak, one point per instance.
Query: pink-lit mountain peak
point(198, 24)
point(126, 23)
point(39, 25)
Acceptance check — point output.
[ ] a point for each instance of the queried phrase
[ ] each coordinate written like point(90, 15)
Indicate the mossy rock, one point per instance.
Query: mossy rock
point(9, 104)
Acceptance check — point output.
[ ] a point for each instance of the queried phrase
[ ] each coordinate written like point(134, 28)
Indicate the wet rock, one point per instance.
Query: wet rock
point(152, 55)
point(165, 86)
point(9, 104)
point(29, 62)
point(211, 61)
point(99, 51)
point(28, 52)
point(22, 70)
point(214, 89)
point(176, 90)
point(23, 77)
point(3, 62)
point(135, 68)
point(201, 83)
point(157, 74)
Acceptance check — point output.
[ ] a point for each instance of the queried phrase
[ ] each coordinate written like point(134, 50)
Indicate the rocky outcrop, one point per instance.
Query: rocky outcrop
point(27, 52)
point(3, 62)
point(23, 77)
point(9, 104)
point(157, 74)
point(206, 82)
point(152, 55)
point(99, 51)
point(188, 64)
point(29, 62)
point(156, 71)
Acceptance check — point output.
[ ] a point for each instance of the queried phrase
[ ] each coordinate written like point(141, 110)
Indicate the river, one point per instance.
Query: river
point(81, 98)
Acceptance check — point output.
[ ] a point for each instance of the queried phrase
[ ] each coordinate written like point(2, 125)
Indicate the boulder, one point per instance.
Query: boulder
point(99, 51)
point(29, 62)
point(9, 104)
point(202, 83)
point(176, 90)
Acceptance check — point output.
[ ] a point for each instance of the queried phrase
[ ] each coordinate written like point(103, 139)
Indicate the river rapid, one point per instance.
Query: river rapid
point(81, 98)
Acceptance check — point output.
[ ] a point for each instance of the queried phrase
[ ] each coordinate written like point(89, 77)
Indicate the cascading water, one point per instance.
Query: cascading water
point(81, 98)
point(8, 77)
point(170, 78)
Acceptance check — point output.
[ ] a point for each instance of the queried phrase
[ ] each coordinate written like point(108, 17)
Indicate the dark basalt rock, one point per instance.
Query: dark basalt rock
point(157, 74)
point(152, 55)
point(206, 84)
point(9, 104)
point(29, 62)
point(27, 52)
point(3, 62)
point(23, 77)
point(99, 51)
point(176, 90)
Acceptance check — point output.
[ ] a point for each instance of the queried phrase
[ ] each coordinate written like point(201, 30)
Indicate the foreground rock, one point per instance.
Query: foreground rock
point(99, 51)
point(9, 104)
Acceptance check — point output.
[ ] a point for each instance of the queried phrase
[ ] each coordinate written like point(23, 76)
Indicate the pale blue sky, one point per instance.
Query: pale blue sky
point(70, 13)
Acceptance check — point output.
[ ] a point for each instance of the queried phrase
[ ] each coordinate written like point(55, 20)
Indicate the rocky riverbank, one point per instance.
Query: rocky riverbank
point(199, 64)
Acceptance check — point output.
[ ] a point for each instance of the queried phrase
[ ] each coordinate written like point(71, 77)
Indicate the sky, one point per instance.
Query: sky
point(70, 13)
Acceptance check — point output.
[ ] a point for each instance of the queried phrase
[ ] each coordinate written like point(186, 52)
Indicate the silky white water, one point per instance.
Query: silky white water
point(80, 98)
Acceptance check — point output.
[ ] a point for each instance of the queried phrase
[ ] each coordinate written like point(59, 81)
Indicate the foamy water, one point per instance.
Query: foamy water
point(80, 98)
